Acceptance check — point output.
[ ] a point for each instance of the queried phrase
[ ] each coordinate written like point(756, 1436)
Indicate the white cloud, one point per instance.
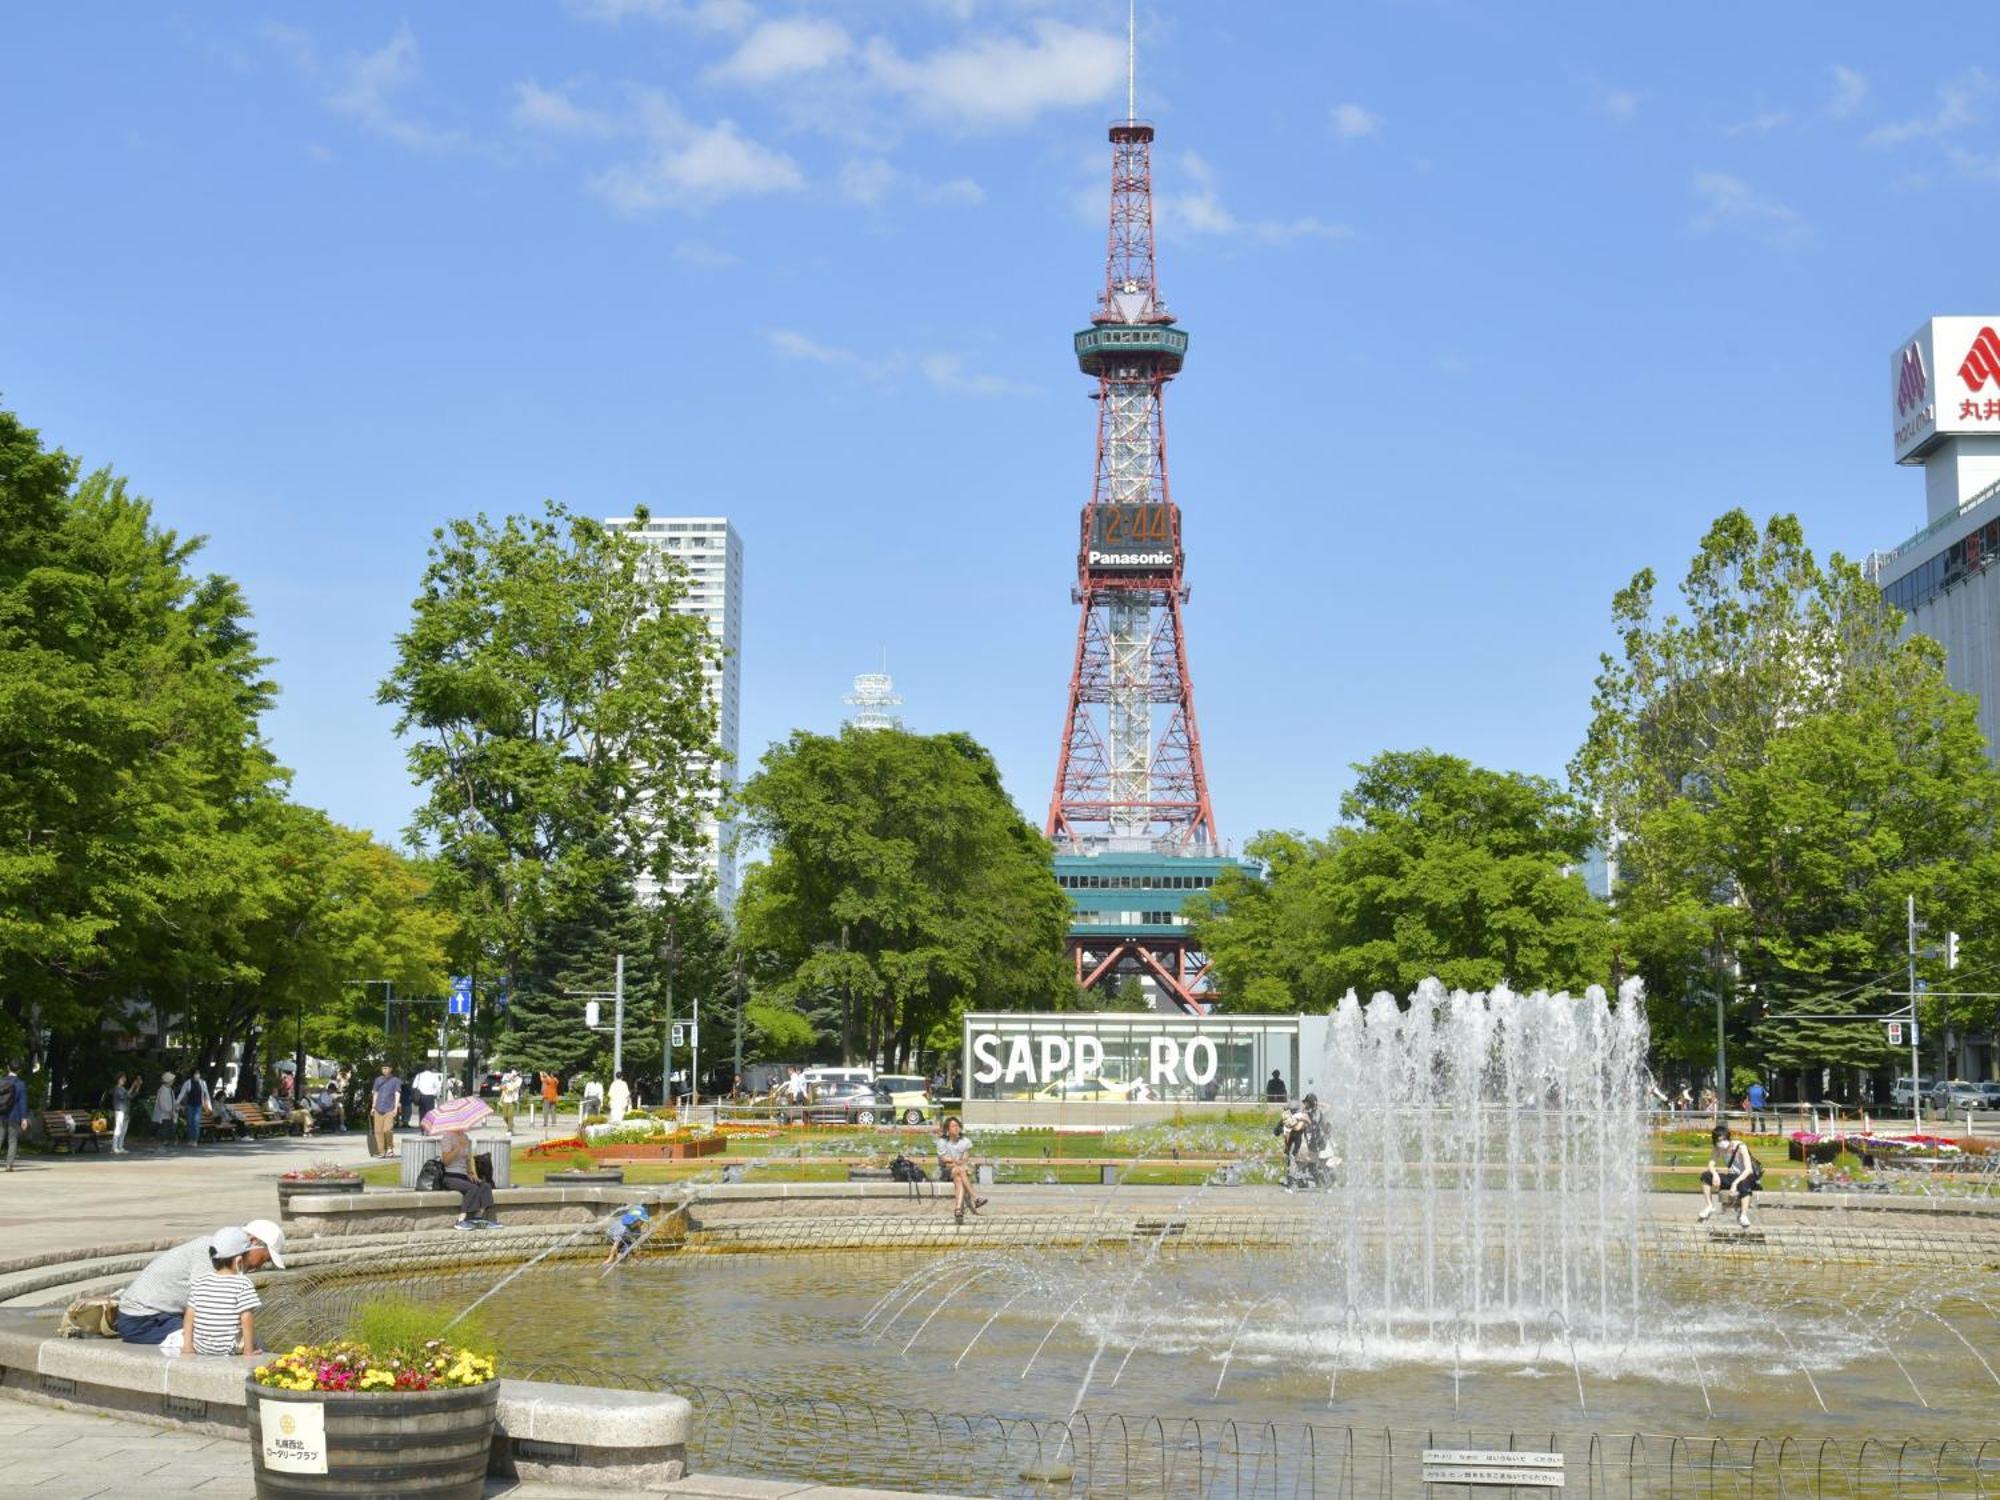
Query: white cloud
point(552, 110)
point(690, 167)
point(704, 255)
point(1726, 199)
point(1200, 210)
point(871, 182)
point(948, 373)
point(792, 344)
point(784, 49)
point(702, 15)
point(1850, 88)
point(943, 370)
point(1764, 124)
point(295, 43)
point(999, 81)
point(1352, 122)
point(1615, 104)
point(1959, 102)
point(366, 90)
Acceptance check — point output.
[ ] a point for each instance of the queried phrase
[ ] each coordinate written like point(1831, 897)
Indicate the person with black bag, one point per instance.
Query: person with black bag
point(459, 1170)
point(13, 1109)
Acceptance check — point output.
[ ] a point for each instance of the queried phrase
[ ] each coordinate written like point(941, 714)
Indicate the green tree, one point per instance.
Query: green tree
point(1439, 868)
point(902, 884)
point(1782, 769)
point(130, 691)
point(559, 719)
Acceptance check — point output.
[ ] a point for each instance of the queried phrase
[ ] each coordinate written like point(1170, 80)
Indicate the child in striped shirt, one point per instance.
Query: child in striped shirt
point(222, 1303)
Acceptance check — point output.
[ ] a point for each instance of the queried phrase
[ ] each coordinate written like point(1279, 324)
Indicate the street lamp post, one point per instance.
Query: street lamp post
point(670, 956)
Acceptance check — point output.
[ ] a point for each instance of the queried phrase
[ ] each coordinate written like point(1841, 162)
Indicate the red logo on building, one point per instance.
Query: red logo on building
point(1911, 384)
point(1983, 363)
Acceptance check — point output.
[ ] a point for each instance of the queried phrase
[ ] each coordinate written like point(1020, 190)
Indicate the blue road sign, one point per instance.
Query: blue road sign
point(460, 1003)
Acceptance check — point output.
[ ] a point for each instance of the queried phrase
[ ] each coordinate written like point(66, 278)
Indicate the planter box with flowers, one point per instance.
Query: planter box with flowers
point(319, 1178)
point(397, 1415)
point(633, 1143)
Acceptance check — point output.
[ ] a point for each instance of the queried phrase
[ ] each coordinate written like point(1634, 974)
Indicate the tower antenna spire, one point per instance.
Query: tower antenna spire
point(1131, 61)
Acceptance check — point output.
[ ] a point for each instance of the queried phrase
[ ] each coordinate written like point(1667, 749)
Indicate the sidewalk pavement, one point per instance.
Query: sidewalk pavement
point(79, 1200)
point(66, 1455)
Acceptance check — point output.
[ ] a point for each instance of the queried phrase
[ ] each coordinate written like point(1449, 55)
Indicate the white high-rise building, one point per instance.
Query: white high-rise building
point(1944, 394)
point(712, 553)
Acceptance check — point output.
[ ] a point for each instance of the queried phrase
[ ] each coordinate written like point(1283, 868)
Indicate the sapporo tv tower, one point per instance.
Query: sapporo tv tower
point(1130, 814)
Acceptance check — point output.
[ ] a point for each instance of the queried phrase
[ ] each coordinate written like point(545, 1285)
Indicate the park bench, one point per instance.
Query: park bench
point(68, 1130)
point(252, 1120)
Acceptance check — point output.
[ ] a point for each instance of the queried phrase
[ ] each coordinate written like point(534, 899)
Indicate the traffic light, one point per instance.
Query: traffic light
point(1951, 950)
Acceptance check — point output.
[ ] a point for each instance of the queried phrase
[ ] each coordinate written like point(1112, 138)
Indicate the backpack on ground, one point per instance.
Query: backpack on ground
point(430, 1176)
point(902, 1169)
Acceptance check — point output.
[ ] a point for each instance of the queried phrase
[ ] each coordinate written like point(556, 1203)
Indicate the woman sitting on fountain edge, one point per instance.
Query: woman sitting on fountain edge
point(955, 1159)
point(1732, 1169)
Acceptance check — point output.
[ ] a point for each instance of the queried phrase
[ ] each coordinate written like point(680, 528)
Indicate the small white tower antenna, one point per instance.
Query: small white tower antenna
point(874, 696)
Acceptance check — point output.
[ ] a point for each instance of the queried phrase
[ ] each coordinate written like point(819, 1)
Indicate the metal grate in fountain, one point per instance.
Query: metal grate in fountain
point(1119, 1454)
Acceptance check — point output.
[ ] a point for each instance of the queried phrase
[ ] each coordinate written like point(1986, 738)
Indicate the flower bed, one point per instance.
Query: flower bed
point(435, 1366)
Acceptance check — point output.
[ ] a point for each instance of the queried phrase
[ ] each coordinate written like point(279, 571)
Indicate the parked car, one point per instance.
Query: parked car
point(906, 1097)
point(837, 1102)
point(1088, 1091)
point(822, 1080)
point(1959, 1095)
point(1900, 1094)
point(1989, 1095)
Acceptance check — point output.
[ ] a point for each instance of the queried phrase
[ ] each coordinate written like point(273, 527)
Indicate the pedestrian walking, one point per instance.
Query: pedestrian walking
point(621, 1099)
point(593, 1100)
point(194, 1100)
point(551, 1094)
point(166, 1122)
point(383, 1108)
point(123, 1090)
point(13, 1109)
point(426, 1086)
point(510, 1096)
point(1756, 1099)
point(1275, 1091)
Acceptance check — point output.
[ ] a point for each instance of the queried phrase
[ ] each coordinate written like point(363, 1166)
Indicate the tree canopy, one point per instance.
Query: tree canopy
point(903, 888)
point(559, 721)
point(155, 878)
point(1439, 868)
point(1780, 769)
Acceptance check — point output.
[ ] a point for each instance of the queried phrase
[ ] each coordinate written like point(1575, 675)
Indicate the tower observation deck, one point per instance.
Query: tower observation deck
point(1130, 788)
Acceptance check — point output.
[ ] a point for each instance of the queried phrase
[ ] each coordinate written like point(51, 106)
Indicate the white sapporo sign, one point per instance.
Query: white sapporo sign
point(1041, 1060)
point(294, 1436)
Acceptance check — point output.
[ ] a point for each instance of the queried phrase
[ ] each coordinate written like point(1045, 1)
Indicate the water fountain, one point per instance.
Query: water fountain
point(1487, 1261)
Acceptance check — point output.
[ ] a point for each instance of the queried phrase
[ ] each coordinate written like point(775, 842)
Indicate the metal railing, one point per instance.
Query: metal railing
point(834, 1441)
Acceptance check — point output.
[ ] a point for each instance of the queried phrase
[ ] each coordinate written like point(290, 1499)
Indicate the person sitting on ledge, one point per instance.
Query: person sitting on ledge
point(155, 1304)
point(1732, 1169)
point(461, 1176)
point(955, 1161)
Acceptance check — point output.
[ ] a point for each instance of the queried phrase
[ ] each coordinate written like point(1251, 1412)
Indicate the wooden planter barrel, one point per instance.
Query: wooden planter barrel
point(384, 1443)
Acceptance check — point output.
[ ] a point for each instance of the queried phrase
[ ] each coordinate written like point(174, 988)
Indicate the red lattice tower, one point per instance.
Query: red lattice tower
point(1129, 772)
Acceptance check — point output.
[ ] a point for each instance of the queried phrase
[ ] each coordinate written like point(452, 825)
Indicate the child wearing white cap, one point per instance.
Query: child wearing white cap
point(222, 1304)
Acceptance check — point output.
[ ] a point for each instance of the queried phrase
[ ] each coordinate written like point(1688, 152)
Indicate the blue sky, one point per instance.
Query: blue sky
point(1490, 305)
